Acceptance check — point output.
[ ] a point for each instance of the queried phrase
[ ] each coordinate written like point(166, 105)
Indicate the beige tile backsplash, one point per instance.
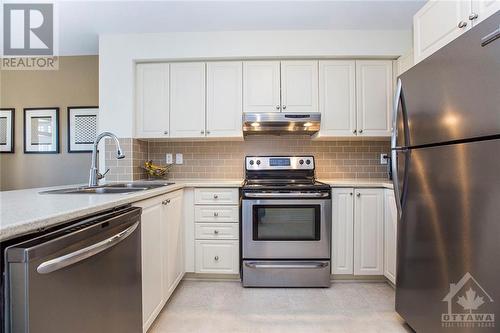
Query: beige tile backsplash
point(224, 159)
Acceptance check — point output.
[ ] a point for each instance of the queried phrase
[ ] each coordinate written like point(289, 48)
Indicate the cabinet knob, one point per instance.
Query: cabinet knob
point(473, 16)
point(166, 132)
point(208, 132)
point(284, 107)
point(350, 193)
point(360, 131)
point(358, 195)
point(216, 214)
point(216, 196)
point(165, 202)
point(354, 131)
point(216, 232)
point(202, 132)
point(216, 258)
point(277, 107)
point(462, 24)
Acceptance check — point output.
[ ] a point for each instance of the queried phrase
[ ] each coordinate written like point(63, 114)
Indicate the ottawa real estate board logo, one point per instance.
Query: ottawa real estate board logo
point(468, 305)
point(28, 39)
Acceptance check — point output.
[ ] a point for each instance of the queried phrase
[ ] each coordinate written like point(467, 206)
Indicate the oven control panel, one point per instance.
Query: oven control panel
point(279, 162)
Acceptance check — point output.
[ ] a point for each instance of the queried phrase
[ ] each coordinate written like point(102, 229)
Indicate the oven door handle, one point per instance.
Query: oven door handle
point(287, 265)
point(286, 195)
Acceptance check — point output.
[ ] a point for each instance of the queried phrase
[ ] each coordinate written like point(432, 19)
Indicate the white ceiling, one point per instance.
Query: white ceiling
point(80, 22)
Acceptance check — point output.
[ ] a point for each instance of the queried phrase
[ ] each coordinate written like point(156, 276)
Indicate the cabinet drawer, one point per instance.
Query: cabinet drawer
point(217, 231)
point(216, 256)
point(216, 196)
point(216, 213)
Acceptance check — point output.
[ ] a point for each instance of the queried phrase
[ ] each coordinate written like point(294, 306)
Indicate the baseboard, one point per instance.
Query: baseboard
point(211, 277)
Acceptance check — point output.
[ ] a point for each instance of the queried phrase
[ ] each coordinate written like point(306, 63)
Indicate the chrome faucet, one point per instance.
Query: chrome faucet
point(95, 175)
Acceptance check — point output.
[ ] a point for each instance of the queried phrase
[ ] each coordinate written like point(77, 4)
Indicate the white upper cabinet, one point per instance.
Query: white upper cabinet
point(369, 232)
point(152, 100)
point(224, 99)
point(342, 230)
point(187, 100)
point(483, 9)
point(261, 86)
point(337, 96)
point(374, 90)
point(437, 23)
point(390, 236)
point(299, 86)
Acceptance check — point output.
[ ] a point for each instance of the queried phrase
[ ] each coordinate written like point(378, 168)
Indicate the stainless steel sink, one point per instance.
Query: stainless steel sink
point(109, 188)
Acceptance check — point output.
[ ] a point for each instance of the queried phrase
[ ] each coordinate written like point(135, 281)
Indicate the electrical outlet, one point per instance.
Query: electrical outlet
point(169, 158)
point(383, 158)
point(178, 159)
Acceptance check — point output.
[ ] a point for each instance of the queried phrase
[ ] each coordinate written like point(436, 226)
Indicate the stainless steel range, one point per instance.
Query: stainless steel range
point(286, 223)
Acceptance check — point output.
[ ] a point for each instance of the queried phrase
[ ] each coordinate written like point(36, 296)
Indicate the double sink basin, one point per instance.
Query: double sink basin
point(109, 188)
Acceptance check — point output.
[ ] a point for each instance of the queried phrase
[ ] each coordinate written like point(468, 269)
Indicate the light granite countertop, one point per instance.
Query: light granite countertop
point(27, 211)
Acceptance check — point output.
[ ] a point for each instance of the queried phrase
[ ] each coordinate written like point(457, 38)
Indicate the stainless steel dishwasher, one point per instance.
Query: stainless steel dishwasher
point(83, 278)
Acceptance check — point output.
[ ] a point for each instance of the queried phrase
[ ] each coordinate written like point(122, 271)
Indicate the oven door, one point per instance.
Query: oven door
point(286, 229)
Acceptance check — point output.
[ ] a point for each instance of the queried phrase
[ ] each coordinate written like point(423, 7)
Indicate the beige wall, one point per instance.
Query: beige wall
point(75, 83)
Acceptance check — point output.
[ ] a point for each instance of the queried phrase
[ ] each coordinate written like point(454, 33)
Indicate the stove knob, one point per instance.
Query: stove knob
point(308, 162)
point(301, 162)
point(258, 162)
point(251, 162)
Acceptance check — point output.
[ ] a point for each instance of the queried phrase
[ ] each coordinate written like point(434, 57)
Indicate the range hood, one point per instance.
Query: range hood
point(278, 123)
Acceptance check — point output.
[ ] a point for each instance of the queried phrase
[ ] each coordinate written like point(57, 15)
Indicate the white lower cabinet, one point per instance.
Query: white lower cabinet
point(162, 247)
point(390, 236)
point(358, 231)
point(217, 256)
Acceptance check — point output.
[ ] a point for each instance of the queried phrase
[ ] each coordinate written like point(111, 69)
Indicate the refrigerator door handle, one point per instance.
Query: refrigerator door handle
point(397, 98)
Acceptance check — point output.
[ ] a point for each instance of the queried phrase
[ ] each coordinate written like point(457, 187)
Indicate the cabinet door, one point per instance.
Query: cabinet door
point(390, 236)
point(342, 230)
point(374, 95)
point(299, 86)
point(153, 277)
point(484, 9)
point(224, 99)
point(175, 241)
point(337, 97)
point(261, 86)
point(369, 232)
point(152, 100)
point(436, 24)
point(187, 100)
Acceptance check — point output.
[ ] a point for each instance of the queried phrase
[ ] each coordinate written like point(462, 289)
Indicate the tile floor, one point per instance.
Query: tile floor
point(220, 307)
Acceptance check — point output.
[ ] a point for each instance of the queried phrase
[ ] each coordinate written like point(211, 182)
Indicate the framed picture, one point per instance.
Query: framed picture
point(41, 130)
point(7, 130)
point(82, 128)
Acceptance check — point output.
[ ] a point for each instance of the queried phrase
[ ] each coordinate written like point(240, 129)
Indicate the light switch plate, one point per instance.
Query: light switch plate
point(169, 158)
point(383, 158)
point(178, 158)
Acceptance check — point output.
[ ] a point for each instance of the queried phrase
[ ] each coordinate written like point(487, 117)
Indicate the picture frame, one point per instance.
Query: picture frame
point(41, 130)
point(82, 128)
point(7, 130)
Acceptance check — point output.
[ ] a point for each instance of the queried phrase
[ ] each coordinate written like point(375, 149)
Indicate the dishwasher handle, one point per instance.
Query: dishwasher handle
point(87, 252)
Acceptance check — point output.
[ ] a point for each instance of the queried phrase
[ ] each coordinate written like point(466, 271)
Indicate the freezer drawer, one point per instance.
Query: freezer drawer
point(80, 279)
point(450, 228)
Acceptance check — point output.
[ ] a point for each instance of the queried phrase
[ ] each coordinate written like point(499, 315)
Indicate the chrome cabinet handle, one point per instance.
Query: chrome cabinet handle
point(165, 202)
point(350, 193)
point(87, 252)
point(358, 195)
point(216, 196)
point(277, 107)
point(166, 132)
point(473, 16)
point(360, 131)
point(202, 132)
point(216, 214)
point(208, 132)
point(354, 131)
point(284, 107)
point(216, 258)
point(462, 24)
point(216, 232)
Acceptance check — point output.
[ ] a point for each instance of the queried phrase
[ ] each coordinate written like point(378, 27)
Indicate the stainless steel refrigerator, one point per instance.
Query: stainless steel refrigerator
point(446, 170)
